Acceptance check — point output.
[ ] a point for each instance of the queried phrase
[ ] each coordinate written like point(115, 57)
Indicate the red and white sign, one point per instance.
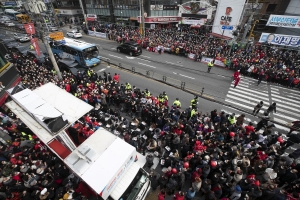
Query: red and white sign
point(160, 19)
point(35, 44)
point(91, 17)
point(29, 27)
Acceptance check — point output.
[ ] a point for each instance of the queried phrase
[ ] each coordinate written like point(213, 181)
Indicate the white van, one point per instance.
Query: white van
point(112, 168)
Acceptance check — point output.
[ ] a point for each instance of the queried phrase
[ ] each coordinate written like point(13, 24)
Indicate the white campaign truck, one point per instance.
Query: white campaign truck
point(112, 168)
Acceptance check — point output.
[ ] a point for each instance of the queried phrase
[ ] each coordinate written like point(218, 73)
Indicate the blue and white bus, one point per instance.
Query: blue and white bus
point(86, 54)
point(12, 14)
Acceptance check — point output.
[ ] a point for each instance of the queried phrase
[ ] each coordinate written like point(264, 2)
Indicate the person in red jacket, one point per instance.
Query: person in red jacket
point(179, 196)
point(116, 77)
point(161, 195)
point(249, 128)
point(68, 87)
point(236, 81)
point(236, 74)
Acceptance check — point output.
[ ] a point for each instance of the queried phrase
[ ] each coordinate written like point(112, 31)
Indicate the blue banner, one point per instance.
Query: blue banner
point(278, 39)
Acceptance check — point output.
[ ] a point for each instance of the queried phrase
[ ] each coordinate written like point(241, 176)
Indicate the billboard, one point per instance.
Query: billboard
point(284, 21)
point(278, 39)
point(228, 14)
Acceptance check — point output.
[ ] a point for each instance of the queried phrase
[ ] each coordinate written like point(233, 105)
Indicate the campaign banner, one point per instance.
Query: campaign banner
point(217, 62)
point(191, 56)
point(29, 28)
point(286, 21)
point(278, 39)
point(97, 34)
point(228, 14)
point(35, 44)
point(192, 21)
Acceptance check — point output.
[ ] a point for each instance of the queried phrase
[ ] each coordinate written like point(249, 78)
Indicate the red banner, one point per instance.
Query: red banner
point(35, 44)
point(29, 27)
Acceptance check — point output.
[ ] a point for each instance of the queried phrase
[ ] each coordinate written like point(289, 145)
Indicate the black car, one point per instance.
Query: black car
point(70, 66)
point(131, 48)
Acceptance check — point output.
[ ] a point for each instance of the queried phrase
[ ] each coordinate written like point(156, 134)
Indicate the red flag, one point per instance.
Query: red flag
point(35, 44)
point(29, 27)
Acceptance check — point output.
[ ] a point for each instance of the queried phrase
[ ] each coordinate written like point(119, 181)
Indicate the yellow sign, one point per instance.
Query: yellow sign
point(57, 36)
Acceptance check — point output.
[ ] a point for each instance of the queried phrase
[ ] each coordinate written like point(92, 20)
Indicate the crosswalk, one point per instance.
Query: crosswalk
point(247, 94)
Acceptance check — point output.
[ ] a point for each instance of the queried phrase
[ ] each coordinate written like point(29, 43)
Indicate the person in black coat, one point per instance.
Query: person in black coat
point(289, 177)
point(154, 181)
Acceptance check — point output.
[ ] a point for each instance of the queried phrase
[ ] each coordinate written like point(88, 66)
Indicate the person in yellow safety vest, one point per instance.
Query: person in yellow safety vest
point(31, 47)
point(147, 93)
point(177, 103)
point(210, 65)
point(193, 112)
point(53, 71)
point(194, 102)
point(161, 99)
point(90, 72)
point(26, 136)
point(232, 119)
point(165, 96)
point(127, 86)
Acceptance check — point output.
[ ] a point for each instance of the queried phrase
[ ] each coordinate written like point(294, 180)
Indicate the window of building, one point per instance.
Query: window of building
point(271, 7)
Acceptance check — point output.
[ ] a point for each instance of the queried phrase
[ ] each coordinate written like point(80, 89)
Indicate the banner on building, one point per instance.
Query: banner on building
point(284, 21)
point(228, 15)
point(35, 44)
point(278, 39)
point(192, 21)
point(29, 28)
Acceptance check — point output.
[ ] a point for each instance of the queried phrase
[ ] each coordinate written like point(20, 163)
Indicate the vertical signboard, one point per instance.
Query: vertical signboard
point(29, 27)
point(227, 17)
point(35, 44)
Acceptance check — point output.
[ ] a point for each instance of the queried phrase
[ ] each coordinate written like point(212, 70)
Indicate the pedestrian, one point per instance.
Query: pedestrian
point(272, 108)
point(261, 77)
point(190, 194)
point(179, 196)
point(236, 81)
point(162, 194)
point(210, 65)
point(257, 108)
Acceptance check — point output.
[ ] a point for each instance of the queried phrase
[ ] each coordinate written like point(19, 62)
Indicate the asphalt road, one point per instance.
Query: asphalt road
point(217, 85)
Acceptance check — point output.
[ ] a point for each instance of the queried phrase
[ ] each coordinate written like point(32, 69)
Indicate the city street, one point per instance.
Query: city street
point(217, 84)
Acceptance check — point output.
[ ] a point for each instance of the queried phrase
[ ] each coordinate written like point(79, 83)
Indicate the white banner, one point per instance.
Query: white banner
point(228, 14)
point(191, 56)
point(189, 21)
point(278, 39)
point(97, 34)
point(284, 21)
point(217, 62)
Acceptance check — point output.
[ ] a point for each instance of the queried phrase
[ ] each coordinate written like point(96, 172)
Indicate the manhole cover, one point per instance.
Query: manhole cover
point(179, 62)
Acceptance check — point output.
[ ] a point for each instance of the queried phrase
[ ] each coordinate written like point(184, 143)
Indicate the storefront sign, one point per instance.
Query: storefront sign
point(68, 12)
point(228, 14)
point(163, 7)
point(278, 39)
point(284, 21)
point(122, 19)
point(160, 19)
point(190, 21)
point(10, 3)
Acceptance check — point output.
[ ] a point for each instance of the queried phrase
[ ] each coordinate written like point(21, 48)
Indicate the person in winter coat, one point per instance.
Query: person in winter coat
point(163, 182)
point(154, 182)
point(179, 196)
point(190, 194)
point(161, 195)
point(236, 194)
point(236, 82)
point(238, 175)
point(240, 120)
point(197, 184)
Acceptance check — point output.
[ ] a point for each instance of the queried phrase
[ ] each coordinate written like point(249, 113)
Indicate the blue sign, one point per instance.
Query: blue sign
point(227, 27)
point(278, 39)
point(10, 3)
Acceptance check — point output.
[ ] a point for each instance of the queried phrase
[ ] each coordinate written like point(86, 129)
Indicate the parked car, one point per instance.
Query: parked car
point(9, 23)
point(70, 66)
point(131, 48)
point(53, 28)
point(74, 34)
point(21, 37)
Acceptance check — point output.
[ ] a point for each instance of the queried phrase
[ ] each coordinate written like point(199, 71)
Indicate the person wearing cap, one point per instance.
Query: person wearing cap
point(236, 193)
point(177, 103)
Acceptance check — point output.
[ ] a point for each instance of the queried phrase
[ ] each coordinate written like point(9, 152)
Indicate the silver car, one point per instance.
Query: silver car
point(21, 37)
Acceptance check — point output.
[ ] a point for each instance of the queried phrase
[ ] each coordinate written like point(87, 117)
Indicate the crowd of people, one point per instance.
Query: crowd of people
point(215, 153)
point(274, 64)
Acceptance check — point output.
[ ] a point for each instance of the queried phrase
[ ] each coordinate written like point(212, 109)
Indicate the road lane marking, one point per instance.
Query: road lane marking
point(186, 76)
point(114, 48)
point(143, 59)
point(145, 56)
point(222, 76)
point(174, 73)
point(146, 65)
point(115, 56)
point(173, 63)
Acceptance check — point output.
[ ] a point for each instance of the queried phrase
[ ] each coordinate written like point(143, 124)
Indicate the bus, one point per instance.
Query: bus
point(23, 18)
point(11, 13)
point(9, 7)
point(85, 54)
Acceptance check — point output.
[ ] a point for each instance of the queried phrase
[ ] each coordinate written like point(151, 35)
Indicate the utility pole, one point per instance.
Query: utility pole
point(84, 15)
point(248, 24)
point(51, 56)
point(142, 17)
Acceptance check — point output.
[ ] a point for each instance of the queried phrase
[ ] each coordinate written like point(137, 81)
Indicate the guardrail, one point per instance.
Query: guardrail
point(185, 86)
